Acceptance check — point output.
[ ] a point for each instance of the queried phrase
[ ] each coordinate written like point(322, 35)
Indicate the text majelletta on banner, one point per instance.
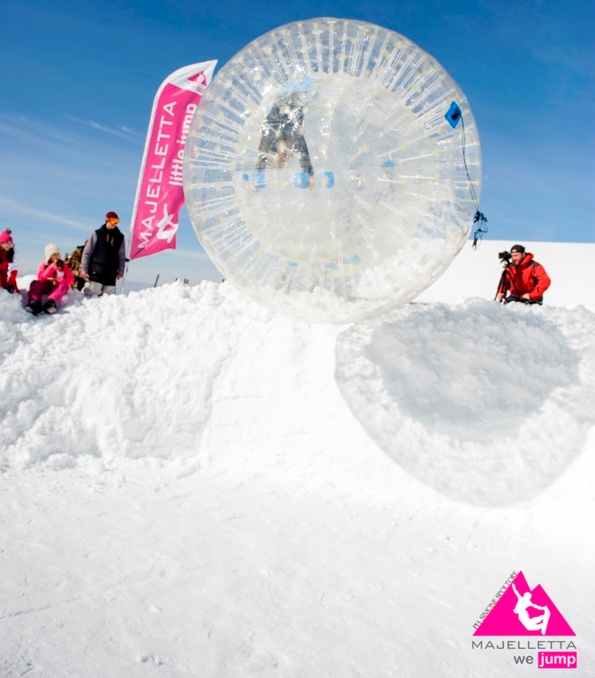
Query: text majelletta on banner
point(160, 191)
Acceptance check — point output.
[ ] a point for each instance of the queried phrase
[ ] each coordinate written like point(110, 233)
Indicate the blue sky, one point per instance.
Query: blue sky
point(79, 79)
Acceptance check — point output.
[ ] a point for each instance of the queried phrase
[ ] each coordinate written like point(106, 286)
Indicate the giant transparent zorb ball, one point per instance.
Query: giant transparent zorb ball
point(321, 175)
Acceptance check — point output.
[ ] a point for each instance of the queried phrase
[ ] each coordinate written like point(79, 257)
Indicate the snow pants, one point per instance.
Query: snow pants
point(41, 287)
point(96, 289)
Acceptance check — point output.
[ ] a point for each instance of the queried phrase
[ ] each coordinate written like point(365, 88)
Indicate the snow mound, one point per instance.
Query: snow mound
point(111, 377)
point(484, 402)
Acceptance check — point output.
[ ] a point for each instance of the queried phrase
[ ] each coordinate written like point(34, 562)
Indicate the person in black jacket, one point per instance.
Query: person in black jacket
point(282, 135)
point(104, 258)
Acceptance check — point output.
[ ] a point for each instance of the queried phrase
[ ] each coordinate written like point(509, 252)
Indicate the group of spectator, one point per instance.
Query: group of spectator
point(93, 268)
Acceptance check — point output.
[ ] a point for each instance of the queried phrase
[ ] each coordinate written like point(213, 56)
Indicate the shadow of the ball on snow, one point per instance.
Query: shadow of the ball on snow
point(485, 403)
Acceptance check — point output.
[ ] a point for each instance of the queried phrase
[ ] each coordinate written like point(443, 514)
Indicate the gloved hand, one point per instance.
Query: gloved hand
point(12, 282)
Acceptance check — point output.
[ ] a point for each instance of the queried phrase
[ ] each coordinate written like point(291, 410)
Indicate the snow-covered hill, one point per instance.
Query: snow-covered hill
point(193, 486)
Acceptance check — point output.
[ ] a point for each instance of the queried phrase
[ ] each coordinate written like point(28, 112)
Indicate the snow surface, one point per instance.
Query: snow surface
point(193, 486)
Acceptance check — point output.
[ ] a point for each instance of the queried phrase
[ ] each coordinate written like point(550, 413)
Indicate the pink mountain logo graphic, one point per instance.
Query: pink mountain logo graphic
point(522, 611)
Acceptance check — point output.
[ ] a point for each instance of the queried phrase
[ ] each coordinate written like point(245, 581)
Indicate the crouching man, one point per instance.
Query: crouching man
point(523, 279)
point(104, 258)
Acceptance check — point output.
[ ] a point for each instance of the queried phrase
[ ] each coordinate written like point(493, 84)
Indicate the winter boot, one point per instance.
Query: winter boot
point(50, 306)
point(33, 307)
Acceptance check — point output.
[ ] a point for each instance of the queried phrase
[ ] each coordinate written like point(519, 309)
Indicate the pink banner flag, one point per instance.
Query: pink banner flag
point(160, 192)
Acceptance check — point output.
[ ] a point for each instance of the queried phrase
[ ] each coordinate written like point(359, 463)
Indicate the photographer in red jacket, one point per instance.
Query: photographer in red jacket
point(523, 279)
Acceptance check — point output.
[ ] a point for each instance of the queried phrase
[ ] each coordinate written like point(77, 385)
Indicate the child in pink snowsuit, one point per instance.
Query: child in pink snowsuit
point(54, 278)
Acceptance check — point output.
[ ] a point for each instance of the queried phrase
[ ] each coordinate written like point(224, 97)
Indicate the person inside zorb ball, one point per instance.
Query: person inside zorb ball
point(332, 170)
point(282, 135)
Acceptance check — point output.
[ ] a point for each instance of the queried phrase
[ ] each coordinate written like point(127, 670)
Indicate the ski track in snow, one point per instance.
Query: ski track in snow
point(194, 486)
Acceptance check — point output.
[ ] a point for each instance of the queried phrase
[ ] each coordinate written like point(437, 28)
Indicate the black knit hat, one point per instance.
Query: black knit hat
point(518, 248)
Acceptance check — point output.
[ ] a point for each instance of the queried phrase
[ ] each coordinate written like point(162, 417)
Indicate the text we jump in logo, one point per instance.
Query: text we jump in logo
point(519, 611)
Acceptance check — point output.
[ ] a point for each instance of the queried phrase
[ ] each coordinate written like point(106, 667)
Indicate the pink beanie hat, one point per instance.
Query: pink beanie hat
point(5, 236)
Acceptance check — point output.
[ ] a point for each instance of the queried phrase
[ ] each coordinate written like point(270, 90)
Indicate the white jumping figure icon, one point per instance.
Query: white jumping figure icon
point(163, 232)
point(538, 623)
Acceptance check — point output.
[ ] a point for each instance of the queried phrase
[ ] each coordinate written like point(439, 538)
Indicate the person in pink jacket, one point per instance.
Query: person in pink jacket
point(54, 278)
point(8, 263)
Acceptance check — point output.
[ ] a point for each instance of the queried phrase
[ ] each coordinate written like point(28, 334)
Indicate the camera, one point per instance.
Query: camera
point(504, 257)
